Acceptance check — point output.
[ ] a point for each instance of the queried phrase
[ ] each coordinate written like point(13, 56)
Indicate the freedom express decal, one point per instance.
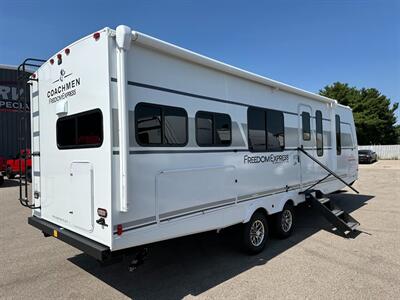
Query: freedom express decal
point(271, 158)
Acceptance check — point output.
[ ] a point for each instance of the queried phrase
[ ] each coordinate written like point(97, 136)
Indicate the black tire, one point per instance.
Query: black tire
point(250, 242)
point(284, 221)
point(1, 179)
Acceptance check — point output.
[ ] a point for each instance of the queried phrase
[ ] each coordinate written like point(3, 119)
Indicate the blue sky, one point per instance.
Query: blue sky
point(308, 44)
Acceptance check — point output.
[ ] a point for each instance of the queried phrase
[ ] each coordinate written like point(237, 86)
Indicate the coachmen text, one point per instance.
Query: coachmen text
point(63, 91)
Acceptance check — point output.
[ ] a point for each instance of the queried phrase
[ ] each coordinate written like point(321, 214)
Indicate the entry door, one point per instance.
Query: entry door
point(307, 142)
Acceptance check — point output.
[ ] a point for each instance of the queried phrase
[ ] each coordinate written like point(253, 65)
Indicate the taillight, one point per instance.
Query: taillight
point(51, 61)
point(102, 212)
point(67, 51)
point(96, 35)
point(119, 229)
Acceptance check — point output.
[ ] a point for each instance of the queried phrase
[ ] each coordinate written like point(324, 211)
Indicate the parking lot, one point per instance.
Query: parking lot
point(313, 263)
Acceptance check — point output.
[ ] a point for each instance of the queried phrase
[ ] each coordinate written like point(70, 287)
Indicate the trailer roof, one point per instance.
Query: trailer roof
point(186, 54)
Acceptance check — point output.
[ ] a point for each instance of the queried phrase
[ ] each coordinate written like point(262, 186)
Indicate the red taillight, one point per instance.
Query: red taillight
point(67, 51)
point(51, 61)
point(59, 55)
point(33, 76)
point(102, 212)
point(59, 60)
point(119, 229)
point(96, 35)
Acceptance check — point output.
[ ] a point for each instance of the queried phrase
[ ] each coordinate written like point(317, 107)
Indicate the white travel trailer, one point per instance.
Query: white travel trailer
point(135, 140)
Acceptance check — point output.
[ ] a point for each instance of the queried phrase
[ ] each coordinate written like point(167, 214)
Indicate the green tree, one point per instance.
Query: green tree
point(374, 116)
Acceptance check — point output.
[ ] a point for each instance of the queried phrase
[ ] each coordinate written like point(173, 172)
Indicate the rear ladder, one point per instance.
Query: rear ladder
point(23, 86)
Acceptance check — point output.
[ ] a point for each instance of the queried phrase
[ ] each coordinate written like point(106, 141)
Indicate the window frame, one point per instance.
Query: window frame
point(161, 107)
point(319, 120)
point(75, 116)
point(214, 131)
point(338, 131)
point(309, 125)
point(265, 112)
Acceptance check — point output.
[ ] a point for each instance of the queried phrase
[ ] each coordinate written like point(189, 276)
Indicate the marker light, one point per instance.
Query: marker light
point(51, 61)
point(96, 35)
point(67, 51)
point(59, 56)
point(33, 75)
point(119, 229)
point(102, 212)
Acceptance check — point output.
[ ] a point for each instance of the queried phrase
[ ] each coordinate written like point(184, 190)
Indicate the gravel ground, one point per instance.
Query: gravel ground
point(313, 263)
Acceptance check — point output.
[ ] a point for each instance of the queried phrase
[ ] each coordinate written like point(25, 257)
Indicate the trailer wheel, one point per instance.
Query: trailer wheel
point(1, 179)
point(284, 221)
point(255, 233)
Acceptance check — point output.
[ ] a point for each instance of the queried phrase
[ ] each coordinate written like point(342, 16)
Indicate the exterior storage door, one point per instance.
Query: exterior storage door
point(81, 200)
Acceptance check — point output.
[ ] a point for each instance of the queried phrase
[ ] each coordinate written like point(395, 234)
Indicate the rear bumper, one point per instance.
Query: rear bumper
point(90, 247)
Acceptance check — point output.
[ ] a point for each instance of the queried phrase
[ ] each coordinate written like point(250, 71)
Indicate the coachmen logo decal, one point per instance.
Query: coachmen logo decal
point(66, 88)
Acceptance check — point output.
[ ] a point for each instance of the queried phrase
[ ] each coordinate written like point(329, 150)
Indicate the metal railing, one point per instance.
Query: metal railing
point(326, 169)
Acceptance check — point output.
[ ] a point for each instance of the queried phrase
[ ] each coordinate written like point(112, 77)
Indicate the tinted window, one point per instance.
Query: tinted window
point(338, 136)
point(222, 129)
point(175, 126)
point(256, 122)
point(83, 130)
point(319, 133)
point(213, 129)
point(159, 125)
point(148, 120)
point(275, 131)
point(266, 130)
point(204, 128)
point(305, 120)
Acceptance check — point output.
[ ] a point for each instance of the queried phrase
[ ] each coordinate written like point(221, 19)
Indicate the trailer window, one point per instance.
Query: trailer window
point(266, 130)
point(338, 136)
point(256, 122)
point(159, 125)
point(319, 133)
point(305, 120)
point(83, 130)
point(275, 131)
point(213, 129)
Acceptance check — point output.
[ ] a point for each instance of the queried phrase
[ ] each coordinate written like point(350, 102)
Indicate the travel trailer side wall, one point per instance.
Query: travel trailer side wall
point(142, 141)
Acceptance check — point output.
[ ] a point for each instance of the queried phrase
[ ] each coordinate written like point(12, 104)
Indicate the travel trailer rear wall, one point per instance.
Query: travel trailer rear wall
point(139, 141)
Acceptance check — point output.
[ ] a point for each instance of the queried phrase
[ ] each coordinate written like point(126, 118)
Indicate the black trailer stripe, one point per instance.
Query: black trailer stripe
point(168, 90)
point(116, 152)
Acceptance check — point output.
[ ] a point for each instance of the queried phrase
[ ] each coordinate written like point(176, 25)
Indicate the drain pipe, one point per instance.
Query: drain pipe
point(123, 39)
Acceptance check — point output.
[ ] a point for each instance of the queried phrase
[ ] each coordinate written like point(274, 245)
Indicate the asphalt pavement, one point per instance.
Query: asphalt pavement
point(314, 262)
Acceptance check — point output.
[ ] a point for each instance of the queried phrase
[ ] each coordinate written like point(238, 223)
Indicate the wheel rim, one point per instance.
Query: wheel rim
point(257, 233)
point(287, 220)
